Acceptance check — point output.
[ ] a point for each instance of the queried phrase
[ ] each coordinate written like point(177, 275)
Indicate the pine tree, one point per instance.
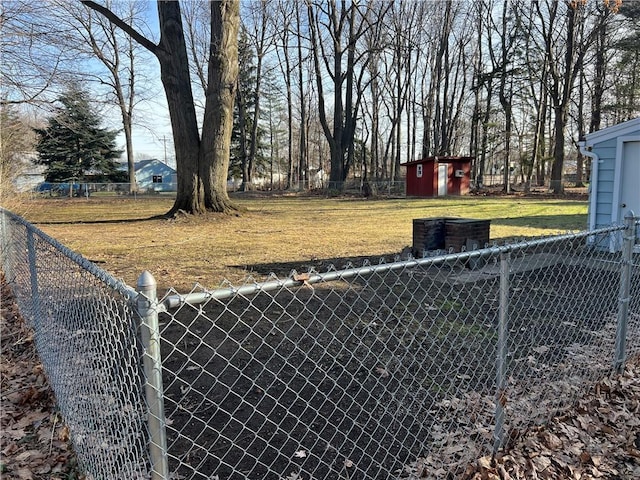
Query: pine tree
point(243, 112)
point(74, 146)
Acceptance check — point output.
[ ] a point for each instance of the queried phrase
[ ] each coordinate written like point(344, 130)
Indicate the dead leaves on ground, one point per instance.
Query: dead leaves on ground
point(598, 438)
point(34, 443)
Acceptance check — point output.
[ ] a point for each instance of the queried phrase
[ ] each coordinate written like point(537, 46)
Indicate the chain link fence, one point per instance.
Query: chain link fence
point(409, 369)
point(87, 336)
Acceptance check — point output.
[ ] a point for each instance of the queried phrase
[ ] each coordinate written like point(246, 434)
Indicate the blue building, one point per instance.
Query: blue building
point(614, 187)
point(155, 176)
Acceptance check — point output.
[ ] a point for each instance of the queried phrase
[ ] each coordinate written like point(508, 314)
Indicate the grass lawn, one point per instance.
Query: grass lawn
point(120, 236)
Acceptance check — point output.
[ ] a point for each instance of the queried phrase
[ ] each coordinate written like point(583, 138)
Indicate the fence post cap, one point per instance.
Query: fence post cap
point(629, 215)
point(146, 280)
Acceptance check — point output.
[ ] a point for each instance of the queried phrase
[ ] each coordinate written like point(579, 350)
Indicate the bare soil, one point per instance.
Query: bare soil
point(321, 385)
point(351, 380)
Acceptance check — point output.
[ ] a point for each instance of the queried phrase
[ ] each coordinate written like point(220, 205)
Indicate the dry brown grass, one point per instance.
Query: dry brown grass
point(122, 237)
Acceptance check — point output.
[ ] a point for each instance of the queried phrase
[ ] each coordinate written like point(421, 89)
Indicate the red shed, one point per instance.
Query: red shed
point(438, 176)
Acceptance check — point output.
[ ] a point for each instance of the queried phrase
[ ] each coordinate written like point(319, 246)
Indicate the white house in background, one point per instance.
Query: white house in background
point(319, 179)
point(154, 175)
point(614, 188)
point(30, 174)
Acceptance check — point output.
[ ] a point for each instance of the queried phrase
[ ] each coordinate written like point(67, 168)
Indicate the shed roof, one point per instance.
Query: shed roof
point(139, 165)
point(615, 131)
point(441, 158)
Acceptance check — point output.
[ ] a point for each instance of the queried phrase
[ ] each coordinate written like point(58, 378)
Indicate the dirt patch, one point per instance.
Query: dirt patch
point(371, 379)
point(354, 379)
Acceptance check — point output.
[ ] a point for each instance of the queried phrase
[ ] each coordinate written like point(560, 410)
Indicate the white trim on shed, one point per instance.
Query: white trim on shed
point(606, 148)
point(616, 214)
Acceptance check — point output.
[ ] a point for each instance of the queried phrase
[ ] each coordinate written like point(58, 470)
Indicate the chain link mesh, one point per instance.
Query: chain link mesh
point(86, 336)
point(387, 371)
point(378, 371)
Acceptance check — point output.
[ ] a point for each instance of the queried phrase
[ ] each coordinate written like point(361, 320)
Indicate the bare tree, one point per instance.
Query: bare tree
point(197, 19)
point(482, 83)
point(202, 159)
point(504, 69)
point(625, 78)
point(257, 33)
point(565, 44)
point(446, 91)
point(91, 35)
point(34, 64)
point(339, 57)
point(303, 156)
point(17, 141)
point(283, 29)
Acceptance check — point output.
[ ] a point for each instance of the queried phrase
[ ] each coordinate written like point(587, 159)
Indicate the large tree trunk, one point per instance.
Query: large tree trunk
point(345, 81)
point(218, 113)
point(202, 164)
point(174, 73)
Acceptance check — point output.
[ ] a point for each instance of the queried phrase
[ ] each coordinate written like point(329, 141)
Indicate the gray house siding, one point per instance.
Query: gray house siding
point(606, 152)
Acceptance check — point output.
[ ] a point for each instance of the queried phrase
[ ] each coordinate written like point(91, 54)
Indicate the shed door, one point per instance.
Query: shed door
point(629, 188)
point(443, 178)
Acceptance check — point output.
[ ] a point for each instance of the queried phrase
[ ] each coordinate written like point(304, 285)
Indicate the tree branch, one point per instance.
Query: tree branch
point(113, 18)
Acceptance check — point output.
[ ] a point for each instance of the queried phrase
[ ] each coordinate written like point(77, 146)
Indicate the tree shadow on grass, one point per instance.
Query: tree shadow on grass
point(102, 222)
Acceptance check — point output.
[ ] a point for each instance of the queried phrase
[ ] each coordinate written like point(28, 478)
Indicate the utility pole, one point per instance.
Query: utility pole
point(164, 141)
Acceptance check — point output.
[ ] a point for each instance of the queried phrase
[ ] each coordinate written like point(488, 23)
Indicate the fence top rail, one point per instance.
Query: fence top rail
point(176, 300)
point(118, 285)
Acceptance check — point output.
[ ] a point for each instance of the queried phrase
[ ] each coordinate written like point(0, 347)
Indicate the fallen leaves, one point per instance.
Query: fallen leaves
point(599, 437)
point(304, 278)
point(596, 437)
point(34, 443)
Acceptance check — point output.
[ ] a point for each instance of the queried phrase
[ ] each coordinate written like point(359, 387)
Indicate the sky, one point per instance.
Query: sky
point(152, 136)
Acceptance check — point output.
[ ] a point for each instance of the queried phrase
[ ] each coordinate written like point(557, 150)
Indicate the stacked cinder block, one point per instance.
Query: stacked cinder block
point(449, 234)
point(466, 233)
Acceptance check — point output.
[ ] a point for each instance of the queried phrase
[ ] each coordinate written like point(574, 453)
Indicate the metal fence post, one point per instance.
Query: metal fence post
point(628, 241)
point(5, 245)
point(147, 304)
point(33, 274)
point(501, 355)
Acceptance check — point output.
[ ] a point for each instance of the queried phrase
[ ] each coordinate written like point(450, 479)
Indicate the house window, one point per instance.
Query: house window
point(419, 170)
point(157, 179)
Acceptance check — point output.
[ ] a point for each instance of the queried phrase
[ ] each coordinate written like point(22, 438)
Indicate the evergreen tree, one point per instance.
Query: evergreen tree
point(74, 145)
point(242, 113)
